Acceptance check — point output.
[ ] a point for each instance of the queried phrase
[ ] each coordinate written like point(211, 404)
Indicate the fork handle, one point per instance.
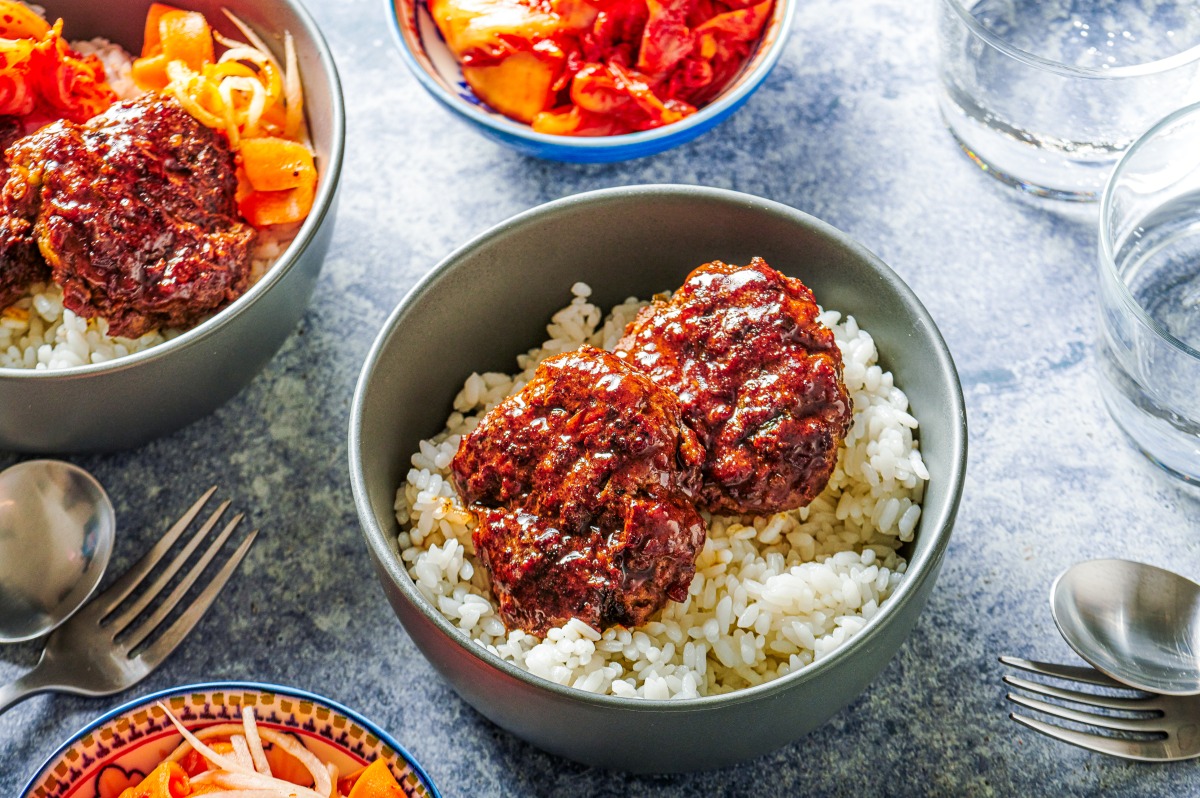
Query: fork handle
point(26, 685)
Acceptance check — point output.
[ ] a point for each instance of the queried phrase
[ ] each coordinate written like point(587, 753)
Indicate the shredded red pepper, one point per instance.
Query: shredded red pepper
point(600, 67)
point(42, 79)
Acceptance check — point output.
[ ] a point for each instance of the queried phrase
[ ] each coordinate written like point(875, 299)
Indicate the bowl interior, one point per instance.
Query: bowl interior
point(491, 300)
point(120, 748)
point(434, 65)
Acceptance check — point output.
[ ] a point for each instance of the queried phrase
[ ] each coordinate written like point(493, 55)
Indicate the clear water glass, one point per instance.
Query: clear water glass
point(1149, 342)
point(1045, 95)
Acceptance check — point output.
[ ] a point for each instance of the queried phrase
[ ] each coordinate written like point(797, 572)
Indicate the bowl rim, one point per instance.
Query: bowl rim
point(1154, 66)
point(322, 206)
point(260, 687)
point(726, 102)
point(921, 567)
point(1179, 120)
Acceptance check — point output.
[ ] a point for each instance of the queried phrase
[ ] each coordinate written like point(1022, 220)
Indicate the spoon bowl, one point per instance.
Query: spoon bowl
point(56, 534)
point(1134, 622)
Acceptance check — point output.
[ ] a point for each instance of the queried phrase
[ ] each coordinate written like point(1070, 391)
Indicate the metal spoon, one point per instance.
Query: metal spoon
point(56, 533)
point(1134, 622)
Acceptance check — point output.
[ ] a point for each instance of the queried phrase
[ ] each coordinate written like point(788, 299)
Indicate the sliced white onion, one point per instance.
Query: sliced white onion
point(244, 52)
point(321, 782)
point(255, 742)
point(258, 100)
point(250, 780)
point(237, 782)
point(241, 751)
point(250, 35)
point(293, 92)
point(242, 779)
point(212, 756)
point(220, 730)
point(231, 128)
point(182, 80)
point(333, 777)
point(228, 42)
point(246, 794)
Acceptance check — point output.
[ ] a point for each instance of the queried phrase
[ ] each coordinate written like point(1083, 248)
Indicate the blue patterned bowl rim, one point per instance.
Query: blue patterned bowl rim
point(603, 147)
point(203, 687)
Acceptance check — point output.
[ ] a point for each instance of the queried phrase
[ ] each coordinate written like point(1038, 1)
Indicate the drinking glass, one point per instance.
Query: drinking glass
point(1149, 341)
point(1045, 95)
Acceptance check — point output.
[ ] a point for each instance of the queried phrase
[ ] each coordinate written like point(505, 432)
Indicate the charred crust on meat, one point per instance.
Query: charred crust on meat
point(583, 486)
point(133, 213)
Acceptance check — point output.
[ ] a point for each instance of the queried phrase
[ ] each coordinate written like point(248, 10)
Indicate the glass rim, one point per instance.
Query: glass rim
point(1108, 260)
point(1157, 66)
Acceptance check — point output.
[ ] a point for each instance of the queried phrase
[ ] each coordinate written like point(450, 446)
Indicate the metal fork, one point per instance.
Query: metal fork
point(1155, 728)
point(111, 644)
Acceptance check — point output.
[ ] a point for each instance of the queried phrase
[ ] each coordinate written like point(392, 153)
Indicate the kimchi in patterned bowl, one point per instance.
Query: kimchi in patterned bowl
point(119, 749)
point(590, 81)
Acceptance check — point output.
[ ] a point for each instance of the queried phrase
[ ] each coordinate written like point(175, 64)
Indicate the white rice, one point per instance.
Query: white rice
point(37, 332)
point(118, 65)
point(770, 595)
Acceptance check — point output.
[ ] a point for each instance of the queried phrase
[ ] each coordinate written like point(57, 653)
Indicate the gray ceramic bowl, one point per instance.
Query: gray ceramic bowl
point(128, 401)
point(491, 299)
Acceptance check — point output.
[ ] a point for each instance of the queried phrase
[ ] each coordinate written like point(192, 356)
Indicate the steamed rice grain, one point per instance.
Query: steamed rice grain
point(771, 594)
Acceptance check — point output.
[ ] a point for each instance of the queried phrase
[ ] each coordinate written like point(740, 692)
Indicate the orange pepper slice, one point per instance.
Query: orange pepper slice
point(261, 208)
point(150, 72)
point(376, 781)
point(275, 164)
point(186, 37)
point(168, 780)
point(151, 38)
point(171, 35)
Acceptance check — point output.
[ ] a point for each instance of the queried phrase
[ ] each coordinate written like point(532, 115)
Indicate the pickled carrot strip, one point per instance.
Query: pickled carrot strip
point(166, 781)
point(151, 38)
point(186, 37)
point(275, 164)
point(261, 208)
point(376, 781)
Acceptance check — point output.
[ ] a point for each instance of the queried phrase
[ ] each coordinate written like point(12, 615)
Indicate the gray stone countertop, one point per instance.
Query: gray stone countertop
point(846, 129)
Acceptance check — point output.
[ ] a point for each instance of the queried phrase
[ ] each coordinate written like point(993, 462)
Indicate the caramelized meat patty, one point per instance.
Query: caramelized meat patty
point(584, 485)
point(134, 212)
point(758, 378)
point(21, 264)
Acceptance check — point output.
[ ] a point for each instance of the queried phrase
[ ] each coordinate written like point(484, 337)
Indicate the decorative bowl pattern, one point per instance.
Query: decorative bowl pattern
point(118, 749)
point(430, 60)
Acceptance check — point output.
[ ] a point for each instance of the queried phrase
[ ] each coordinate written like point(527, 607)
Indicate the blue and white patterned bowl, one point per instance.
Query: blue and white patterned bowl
point(428, 57)
point(119, 748)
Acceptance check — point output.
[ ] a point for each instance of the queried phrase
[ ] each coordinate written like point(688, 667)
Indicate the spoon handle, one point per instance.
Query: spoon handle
point(24, 686)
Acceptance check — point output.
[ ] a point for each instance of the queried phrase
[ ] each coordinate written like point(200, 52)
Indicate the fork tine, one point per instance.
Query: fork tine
point(157, 651)
point(1071, 673)
point(1090, 699)
point(119, 590)
point(166, 605)
point(120, 622)
point(1141, 750)
point(1143, 725)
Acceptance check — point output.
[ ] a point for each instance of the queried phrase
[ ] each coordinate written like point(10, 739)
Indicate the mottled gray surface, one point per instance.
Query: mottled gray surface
point(846, 129)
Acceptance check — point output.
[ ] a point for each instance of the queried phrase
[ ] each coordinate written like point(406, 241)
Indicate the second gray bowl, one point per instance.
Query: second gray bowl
point(491, 300)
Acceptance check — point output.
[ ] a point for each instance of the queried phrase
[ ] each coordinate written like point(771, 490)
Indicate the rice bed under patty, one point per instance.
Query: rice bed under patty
point(771, 594)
